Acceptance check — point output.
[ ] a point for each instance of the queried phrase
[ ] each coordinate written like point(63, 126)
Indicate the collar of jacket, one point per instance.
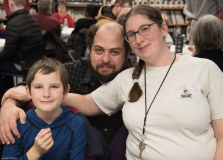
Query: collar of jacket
point(107, 11)
point(21, 11)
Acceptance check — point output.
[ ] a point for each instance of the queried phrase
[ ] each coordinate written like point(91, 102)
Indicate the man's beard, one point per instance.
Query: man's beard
point(105, 78)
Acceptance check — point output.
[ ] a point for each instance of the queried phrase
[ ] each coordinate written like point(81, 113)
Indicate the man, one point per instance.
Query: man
point(106, 59)
point(107, 13)
point(7, 9)
point(46, 21)
point(108, 55)
point(22, 31)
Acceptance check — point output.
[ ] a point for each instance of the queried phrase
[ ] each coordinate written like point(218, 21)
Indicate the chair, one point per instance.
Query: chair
point(50, 44)
point(53, 45)
point(30, 56)
point(73, 55)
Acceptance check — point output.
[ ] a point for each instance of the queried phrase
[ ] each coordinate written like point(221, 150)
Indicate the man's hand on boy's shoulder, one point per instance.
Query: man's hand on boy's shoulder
point(9, 114)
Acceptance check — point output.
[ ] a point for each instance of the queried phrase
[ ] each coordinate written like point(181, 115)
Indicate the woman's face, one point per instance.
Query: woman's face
point(61, 10)
point(149, 46)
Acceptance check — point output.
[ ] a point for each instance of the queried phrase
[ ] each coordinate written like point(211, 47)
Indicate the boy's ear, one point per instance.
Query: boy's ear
point(67, 91)
point(28, 92)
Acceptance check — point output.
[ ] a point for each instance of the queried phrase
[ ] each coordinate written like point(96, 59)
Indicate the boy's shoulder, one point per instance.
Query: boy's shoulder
point(75, 122)
point(22, 128)
point(74, 118)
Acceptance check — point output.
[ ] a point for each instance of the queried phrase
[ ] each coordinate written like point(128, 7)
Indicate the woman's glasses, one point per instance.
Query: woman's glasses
point(142, 31)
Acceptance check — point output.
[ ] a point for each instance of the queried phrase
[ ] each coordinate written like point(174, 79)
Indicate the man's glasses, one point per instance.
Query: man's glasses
point(142, 31)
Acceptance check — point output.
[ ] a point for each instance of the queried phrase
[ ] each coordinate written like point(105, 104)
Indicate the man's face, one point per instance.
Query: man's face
point(107, 56)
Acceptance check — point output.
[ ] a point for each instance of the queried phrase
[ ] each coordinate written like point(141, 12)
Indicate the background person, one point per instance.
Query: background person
point(209, 45)
point(90, 13)
point(110, 13)
point(22, 31)
point(77, 39)
point(7, 9)
point(45, 19)
point(62, 14)
point(51, 131)
point(197, 8)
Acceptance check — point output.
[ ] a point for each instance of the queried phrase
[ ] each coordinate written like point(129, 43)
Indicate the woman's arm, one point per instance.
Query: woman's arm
point(83, 103)
point(218, 132)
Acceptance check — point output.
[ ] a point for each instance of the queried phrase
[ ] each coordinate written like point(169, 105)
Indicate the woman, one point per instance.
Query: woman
point(209, 45)
point(62, 14)
point(171, 104)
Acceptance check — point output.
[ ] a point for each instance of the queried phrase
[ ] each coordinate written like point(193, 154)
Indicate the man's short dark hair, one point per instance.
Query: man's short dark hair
point(92, 32)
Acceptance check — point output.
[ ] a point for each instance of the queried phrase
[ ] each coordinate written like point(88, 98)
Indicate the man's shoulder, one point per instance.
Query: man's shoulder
point(21, 20)
point(81, 63)
point(47, 17)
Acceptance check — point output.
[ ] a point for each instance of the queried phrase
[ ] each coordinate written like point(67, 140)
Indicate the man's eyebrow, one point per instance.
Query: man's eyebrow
point(117, 48)
point(97, 46)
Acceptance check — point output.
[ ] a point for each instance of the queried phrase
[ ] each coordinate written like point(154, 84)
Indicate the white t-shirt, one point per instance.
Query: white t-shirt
point(178, 125)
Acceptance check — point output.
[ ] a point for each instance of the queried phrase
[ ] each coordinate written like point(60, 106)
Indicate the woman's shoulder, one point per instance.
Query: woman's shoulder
point(205, 64)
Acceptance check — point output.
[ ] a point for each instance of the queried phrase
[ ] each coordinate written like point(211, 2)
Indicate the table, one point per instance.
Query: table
point(65, 34)
point(2, 44)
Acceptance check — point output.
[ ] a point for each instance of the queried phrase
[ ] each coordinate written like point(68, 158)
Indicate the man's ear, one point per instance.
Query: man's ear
point(28, 92)
point(67, 91)
point(88, 50)
point(10, 3)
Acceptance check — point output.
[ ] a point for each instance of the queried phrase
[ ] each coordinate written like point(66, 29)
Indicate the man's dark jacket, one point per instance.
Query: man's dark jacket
point(22, 31)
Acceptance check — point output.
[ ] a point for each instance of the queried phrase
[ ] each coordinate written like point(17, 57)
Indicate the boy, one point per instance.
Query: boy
point(51, 131)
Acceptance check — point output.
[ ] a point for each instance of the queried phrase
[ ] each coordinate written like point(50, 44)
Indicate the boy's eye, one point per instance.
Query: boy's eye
point(37, 87)
point(55, 87)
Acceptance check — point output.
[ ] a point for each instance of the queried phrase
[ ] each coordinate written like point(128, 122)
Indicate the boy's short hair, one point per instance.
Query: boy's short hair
point(47, 66)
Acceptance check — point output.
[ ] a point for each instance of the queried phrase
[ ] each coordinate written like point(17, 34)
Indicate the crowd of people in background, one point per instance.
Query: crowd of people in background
point(158, 107)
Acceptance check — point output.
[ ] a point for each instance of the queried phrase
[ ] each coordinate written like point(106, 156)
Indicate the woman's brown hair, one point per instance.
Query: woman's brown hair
point(154, 15)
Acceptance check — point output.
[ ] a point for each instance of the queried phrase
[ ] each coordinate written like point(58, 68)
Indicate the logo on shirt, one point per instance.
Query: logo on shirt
point(185, 92)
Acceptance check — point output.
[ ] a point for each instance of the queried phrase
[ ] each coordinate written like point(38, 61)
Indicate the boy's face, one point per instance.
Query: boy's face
point(47, 91)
